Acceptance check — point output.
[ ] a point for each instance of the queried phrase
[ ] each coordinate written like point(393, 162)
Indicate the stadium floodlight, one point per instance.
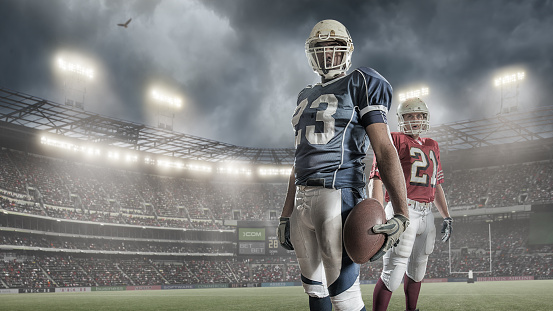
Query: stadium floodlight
point(75, 72)
point(116, 155)
point(166, 104)
point(423, 91)
point(235, 169)
point(54, 142)
point(170, 164)
point(89, 150)
point(76, 68)
point(509, 85)
point(149, 161)
point(199, 168)
point(509, 78)
point(163, 98)
point(275, 171)
point(131, 158)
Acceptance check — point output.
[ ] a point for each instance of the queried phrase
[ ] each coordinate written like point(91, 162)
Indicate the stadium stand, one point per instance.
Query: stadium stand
point(69, 222)
point(188, 203)
point(50, 258)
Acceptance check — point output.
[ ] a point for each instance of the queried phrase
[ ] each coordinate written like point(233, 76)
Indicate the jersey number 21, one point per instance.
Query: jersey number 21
point(420, 165)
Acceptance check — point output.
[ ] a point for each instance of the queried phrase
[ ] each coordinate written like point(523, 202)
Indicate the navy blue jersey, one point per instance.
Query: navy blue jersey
point(330, 121)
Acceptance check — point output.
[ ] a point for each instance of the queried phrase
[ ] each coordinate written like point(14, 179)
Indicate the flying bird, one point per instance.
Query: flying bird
point(125, 24)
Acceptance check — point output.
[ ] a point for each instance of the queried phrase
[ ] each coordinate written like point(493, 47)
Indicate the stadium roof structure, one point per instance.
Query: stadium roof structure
point(49, 117)
point(39, 114)
point(506, 128)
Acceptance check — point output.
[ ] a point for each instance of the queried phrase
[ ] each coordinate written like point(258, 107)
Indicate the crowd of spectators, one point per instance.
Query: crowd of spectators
point(511, 255)
point(69, 190)
point(509, 185)
point(64, 189)
point(53, 242)
point(37, 185)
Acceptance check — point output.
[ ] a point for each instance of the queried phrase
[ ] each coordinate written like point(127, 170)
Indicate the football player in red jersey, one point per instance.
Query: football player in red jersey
point(422, 169)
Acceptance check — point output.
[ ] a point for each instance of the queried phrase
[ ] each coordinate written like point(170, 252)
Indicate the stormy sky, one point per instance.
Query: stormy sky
point(238, 65)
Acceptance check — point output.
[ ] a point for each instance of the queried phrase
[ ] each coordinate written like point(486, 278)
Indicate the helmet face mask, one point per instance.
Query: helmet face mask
point(335, 62)
point(318, 48)
point(413, 127)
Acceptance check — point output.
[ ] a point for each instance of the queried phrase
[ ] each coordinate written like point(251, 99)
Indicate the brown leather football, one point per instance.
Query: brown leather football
point(360, 241)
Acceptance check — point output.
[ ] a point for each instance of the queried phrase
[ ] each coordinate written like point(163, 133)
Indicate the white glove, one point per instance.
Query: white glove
point(393, 228)
point(446, 229)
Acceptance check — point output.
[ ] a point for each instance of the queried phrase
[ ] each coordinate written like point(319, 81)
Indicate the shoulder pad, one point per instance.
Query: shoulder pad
point(371, 72)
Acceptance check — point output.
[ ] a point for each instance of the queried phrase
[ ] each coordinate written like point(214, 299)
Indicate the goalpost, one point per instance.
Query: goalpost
point(471, 271)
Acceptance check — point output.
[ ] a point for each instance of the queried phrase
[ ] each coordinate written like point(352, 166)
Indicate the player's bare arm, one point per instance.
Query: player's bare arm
point(392, 177)
point(290, 196)
point(283, 230)
point(375, 190)
point(441, 204)
point(389, 166)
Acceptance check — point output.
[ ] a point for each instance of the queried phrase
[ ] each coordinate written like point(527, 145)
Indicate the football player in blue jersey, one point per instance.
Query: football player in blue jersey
point(334, 121)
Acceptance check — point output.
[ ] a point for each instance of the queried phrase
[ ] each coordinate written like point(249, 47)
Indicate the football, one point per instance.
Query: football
point(360, 241)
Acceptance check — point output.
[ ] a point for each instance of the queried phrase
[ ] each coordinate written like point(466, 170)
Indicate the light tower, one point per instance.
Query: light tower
point(420, 92)
point(166, 105)
point(509, 88)
point(75, 78)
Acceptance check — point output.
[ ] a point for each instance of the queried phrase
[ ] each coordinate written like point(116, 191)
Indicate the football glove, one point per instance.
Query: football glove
point(446, 229)
point(283, 233)
point(393, 228)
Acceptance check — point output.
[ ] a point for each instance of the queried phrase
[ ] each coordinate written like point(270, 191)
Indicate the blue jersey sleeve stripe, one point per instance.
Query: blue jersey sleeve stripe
point(375, 116)
point(373, 108)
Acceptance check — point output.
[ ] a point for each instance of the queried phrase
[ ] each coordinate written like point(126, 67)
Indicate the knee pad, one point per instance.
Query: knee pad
point(392, 278)
point(417, 270)
point(430, 240)
point(350, 299)
point(406, 241)
point(315, 290)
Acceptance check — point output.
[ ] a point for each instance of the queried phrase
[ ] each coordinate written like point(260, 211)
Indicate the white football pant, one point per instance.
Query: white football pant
point(411, 254)
point(316, 233)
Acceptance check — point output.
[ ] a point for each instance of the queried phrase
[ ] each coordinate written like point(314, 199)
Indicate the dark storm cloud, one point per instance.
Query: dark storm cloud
point(454, 47)
point(240, 64)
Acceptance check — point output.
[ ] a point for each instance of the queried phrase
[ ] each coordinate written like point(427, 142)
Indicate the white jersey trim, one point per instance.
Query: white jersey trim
point(342, 147)
point(369, 106)
point(373, 108)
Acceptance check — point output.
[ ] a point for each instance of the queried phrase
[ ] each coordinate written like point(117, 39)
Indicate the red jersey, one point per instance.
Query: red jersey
point(420, 161)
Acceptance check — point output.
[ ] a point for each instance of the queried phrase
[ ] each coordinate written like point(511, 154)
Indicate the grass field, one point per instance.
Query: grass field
point(508, 295)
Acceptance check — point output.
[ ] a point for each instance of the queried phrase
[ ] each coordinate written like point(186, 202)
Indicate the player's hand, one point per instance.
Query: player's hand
point(446, 229)
point(283, 233)
point(393, 228)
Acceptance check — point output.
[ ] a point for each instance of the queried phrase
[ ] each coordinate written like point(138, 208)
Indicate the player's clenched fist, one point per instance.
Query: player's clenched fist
point(393, 228)
point(283, 233)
